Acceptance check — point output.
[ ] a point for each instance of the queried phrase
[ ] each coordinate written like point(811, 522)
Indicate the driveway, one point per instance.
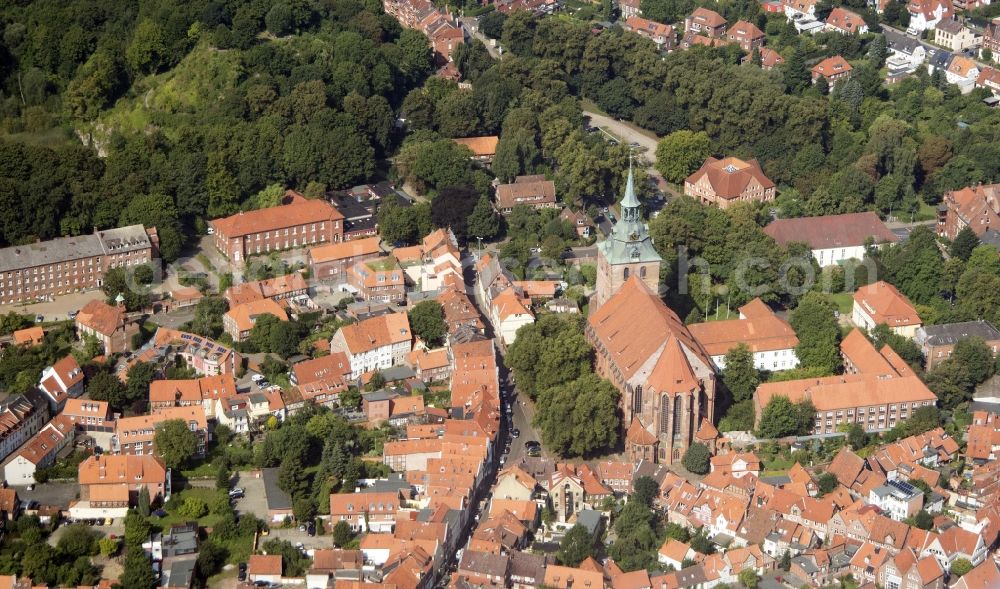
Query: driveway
point(627, 131)
point(173, 319)
point(254, 500)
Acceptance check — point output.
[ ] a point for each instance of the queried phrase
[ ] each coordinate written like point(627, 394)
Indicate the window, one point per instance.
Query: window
point(625, 274)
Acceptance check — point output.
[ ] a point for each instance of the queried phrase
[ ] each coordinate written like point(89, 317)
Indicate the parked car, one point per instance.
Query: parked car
point(515, 433)
point(242, 568)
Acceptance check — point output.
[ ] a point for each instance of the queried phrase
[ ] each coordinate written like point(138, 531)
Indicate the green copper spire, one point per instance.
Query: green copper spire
point(630, 201)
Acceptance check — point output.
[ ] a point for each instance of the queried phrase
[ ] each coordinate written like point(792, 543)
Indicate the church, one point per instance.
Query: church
point(665, 376)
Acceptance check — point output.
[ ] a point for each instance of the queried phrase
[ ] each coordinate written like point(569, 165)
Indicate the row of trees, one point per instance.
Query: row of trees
point(577, 411)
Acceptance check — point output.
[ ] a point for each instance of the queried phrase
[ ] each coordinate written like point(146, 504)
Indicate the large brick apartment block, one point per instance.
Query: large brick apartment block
point(299, 222)
point(71, 264)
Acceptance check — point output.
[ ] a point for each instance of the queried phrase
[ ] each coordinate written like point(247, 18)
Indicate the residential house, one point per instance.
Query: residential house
point(532, 191)
point(205, 356)
point(926, 14)
point(573, 488)
point(29, 336)
point(508, 307)
point(991, 36)
point(239, 321)
point(108, 324)
point(21, 418)
point(579, 220)
point(39, 452)
point(264, 568)
point(196, 392)
point(65, 265)
point(298, 222)
point(963, 72)
point(736, 464)
point(706, 22)
point(662, 35)
point(88, 415)
point(881, 303)
point(675, 553)
point(975, 207)
point(378, 280)
point(846, 22)
point(802, 8)
point(365, 512)
point(897, 499)
point(907, 571)
point(185, 296)
point(729, 180)
point(61, 381)
point(832, 68)
point(955, 36)
point(833, 239)
point(115, 480)
point(483, 148)
point(374, 344)
point(986, 574)
point(435, 264)
point(616, 475)
point(629, 8)
point(937, 342)
point(330, 262)
point(769, 59)
point(989, 78)
point(290, 286)
point(460, 315)
point(431, 365)
point(438, 26)
point(135, 435)
point(770, 338)
point(746, 35)
point(323, 379)
point(906, 54)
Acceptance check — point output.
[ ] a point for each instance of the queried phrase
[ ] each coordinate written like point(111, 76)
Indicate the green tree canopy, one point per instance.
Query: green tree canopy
point(681, 153)
point(696, 458)
point(740, 375)
point(580, 417)
point(819, 335)
point(576, 546)
point(175, 443)
point(427, 322)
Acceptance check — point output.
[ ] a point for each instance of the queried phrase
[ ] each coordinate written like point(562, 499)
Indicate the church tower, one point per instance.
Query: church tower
point(628, 251)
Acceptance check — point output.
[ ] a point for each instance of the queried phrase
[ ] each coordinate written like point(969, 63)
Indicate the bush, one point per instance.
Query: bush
point(193, 507)
point(108, 546)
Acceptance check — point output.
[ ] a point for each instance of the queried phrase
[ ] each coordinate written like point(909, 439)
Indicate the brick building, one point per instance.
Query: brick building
point(330, 262)
point(378, 279)
point(937, 342)
point(71, 264)
point(107, 323)
point(726, 181)
point(134, 435)
point(706, 22)
point(299, 222)
point(832, 68)
point(746, 35)
point(975, 207)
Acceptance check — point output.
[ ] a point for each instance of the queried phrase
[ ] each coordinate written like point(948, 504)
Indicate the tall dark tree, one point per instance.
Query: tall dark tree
point(964, 243)
point(427, 322)
point(452, 208)
point(740, 374)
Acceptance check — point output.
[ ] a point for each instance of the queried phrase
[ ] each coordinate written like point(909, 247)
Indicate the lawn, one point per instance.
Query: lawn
point(844, 301)
point(778, 465)
point(208, 495)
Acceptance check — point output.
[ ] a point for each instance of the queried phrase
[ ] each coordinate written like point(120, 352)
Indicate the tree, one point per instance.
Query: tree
point(975, 356)
point(105, 386)
point(78, 540)
point(427, 322)
point(796, 76)
point(142, 502)
point(147, 49)
point(279, 20)
point(580, 417)
point(452, 207)
point(960, 567)
point(696, 458)
point(964, 243)
point(740, 374)
point(175, 443)
point(137, 379)
point(827, 483)
point(342, 534)
point(748, 578)
point(782, 418)
point(681, 153)
point(856, 437)
point(819, 336)
point(137, 529)
point(483, 222)
point(120, 281)
point(923, 520)
point(223, 478)
point(822, 86)
point(211, 558)
point(137, 570)
point(292, 477)
point(491, 24)
point(645, 490)
point(576, 546)
point(397, 223)
point(987, 54)
point(878, 51)
point(108, 546)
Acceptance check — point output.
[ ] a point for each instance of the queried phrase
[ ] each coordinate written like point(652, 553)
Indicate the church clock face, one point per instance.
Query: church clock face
point(634, 236)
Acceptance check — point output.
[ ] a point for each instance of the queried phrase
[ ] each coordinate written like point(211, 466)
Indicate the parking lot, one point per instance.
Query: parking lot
point(254, 500)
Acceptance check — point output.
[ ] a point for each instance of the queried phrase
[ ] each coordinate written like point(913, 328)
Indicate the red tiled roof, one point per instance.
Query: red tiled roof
point(299, 211)
point(730, 176)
